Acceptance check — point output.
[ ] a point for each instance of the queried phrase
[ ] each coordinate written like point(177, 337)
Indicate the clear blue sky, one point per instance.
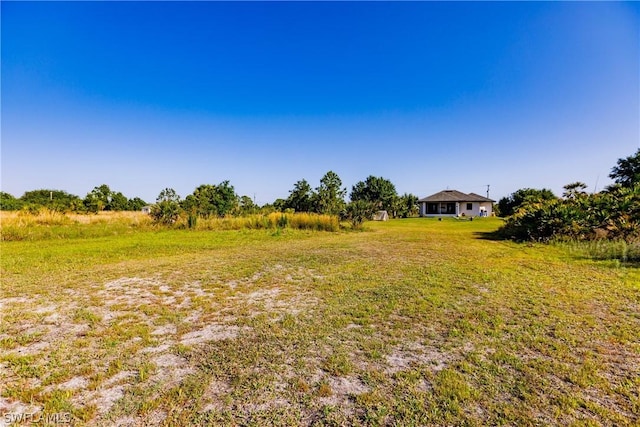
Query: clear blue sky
point(143, 96)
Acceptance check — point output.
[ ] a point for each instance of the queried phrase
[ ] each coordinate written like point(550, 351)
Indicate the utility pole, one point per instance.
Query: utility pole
point(488, 185)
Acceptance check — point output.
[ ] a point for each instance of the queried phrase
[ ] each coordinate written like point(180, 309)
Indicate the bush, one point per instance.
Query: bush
point(613, 215)
point(357, 212)
point(508, 206)
point(166, 212)
point(167, 209)
point(192, 220)
point(8, 202)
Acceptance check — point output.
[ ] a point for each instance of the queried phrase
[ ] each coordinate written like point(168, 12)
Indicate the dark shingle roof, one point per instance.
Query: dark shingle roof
point(479, 198)
point(454, 196)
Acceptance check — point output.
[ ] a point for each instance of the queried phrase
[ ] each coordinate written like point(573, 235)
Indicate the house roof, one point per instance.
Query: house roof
point(454, 196)
point(479, 198)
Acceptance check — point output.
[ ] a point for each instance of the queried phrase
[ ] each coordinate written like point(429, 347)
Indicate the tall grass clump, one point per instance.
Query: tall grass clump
point(272, 221)
point(47, 224)
point(605, 250)
point(313, 221)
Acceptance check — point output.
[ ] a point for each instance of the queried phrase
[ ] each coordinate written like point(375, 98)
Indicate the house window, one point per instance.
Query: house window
point(469, 206)
point(441, 208)
point(448, 208)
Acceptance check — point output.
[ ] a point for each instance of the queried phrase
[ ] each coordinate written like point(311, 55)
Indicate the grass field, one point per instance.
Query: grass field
point(410, 322)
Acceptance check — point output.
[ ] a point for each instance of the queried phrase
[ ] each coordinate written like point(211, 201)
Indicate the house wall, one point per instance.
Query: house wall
point(462, 209)
point(474, 211)
point(488, 206)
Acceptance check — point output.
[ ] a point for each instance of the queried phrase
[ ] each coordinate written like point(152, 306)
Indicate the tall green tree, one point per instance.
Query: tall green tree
point(168, 195)
point(377, 190)
point(626, 173)
point(406, 205)
point(103, 198)
point(118, 202)
point(99, 198)
point(204, 199)
point(246, 206)
point(228, 199)
point(214, 200)
point(330, 195)
point(136, 204)
point(301, 197)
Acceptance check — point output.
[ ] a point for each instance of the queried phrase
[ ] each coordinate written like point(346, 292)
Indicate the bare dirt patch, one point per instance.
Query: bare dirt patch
point(210, 333)
point(103, 398)
point(342, 388)
point(171, 369)
point(165, 330)
point(75, 383)
point(407, 356)
point(213, 397)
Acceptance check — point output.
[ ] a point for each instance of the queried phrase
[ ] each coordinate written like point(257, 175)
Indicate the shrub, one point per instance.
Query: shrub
point(508, 206)
point(8, 202)
point(166, 212)
point(357, 212)
point(192, 220)
point(167, 208)
point(612, 215)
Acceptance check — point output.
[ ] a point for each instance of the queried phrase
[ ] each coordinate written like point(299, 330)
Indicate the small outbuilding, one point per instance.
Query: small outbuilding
point(381, 216)
point(146, 209)
point(455, 203)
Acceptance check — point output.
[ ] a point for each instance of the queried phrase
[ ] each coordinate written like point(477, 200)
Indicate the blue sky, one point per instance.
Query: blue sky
point(143, 96)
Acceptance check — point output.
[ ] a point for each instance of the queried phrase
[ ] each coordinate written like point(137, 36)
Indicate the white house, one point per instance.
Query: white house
point(455, 203)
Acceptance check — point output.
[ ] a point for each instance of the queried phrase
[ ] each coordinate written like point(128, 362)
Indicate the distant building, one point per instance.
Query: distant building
point(146, 209)
point(455, 203)
point(381, 216)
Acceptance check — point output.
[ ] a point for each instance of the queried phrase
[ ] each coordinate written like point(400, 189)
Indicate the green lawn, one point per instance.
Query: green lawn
point(411, 322)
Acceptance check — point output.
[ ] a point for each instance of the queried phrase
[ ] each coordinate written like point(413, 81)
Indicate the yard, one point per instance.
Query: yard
point(410, 322)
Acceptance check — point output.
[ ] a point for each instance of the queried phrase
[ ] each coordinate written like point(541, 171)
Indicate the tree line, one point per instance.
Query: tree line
point(372, 194)
point(530, 214)
point(209, 200)
point(101, 198)
point(328, 198)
